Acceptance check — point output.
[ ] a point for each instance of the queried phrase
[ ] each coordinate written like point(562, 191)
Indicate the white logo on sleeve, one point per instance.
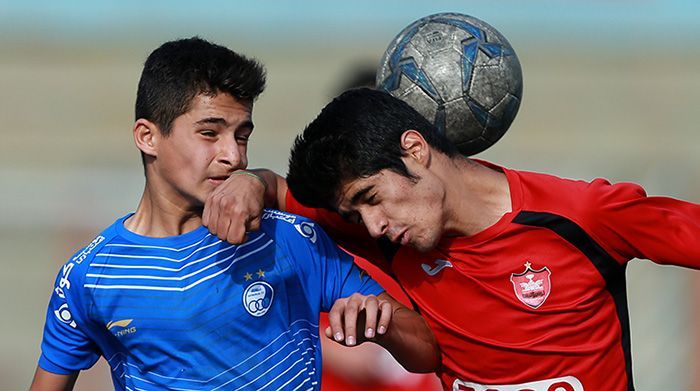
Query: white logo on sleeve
point(307, 230)
point(63, 314)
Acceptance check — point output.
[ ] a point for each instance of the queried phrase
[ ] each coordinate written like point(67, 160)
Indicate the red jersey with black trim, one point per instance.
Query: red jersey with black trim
point(538, 300)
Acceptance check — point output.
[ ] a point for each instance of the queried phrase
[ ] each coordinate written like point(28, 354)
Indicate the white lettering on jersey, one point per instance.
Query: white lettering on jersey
point(80, 257)
point(566, 383)
point(276, 214)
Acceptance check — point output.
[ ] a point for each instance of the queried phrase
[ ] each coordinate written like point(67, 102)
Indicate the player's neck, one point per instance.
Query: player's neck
point(478, 200)
point(159, 216)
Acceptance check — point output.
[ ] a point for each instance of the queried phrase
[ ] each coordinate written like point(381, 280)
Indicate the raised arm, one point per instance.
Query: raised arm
point(235, 207)
point(47, 381)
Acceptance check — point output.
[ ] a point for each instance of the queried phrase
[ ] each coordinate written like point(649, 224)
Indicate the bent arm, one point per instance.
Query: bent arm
point(47, 381)
point(276, 189)
point(409, 339)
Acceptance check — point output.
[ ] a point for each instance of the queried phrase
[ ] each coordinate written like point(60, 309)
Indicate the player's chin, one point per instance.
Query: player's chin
point(423, 244)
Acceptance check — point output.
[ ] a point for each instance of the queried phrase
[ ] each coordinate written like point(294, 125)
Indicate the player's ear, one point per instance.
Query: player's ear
point(146, 136)
point(414, 146)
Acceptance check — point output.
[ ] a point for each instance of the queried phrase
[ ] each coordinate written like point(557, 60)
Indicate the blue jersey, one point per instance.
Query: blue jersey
point(193, 312)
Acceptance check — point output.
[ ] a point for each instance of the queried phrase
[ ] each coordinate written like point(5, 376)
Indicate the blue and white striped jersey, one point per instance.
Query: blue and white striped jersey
point(193, 312)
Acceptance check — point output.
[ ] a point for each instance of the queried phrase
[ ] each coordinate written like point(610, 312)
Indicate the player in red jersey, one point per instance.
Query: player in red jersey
point(521, 276)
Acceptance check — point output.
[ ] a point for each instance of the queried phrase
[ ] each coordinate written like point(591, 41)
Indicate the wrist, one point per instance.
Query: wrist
point(252, 174)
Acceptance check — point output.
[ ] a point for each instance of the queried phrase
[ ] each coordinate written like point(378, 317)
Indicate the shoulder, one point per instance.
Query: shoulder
point(579, 200)
point(550, 192)
point(76, 266)
point(288, 226)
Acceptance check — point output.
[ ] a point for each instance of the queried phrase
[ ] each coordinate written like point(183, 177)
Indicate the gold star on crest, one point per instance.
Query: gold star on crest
point(260, 273)
point(528, 265)
point(248, 276)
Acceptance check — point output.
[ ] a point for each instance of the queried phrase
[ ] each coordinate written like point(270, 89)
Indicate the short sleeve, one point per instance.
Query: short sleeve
point(325, 268)
point(352, 237)
point(66, 347)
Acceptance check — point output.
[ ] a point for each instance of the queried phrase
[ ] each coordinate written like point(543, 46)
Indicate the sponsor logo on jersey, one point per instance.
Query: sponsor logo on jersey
point(119, 323)
point(64, 315)
point(532, 287)
point(63, 312)
point(567, 383)
point(257, 298)
point(439, 265)
point(121, 327)
point(276, 214)
point(307, 230)
point(80, 257)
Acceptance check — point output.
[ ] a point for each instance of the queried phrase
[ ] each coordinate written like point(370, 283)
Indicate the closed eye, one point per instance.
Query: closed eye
point(351, 217)
point(372, 200)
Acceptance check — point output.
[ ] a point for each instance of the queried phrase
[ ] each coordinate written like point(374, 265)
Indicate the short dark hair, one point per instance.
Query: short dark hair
point(178, 71)
point(357, 135)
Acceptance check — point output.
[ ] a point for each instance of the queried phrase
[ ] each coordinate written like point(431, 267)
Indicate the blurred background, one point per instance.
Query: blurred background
point(611, 89)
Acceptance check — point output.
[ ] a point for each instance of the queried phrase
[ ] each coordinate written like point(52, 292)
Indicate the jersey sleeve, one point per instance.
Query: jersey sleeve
point(352, 237)
point(66, 347)
point(631, 224)
point(325, 268)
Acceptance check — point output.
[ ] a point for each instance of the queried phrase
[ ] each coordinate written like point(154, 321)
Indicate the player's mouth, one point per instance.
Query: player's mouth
point(402, 238)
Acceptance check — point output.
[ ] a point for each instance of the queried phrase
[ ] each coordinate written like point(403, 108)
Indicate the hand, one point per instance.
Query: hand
point(368, 314)
point(235, 207)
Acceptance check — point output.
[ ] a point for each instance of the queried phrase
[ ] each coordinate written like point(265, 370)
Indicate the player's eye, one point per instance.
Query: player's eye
point(243, 136)
point(373, 199)
point(207, 133)
point(355, 218)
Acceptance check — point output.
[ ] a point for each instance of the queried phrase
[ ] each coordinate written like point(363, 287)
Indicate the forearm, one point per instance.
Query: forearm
point(47, 381)
point(410, 341)
point(276, 189)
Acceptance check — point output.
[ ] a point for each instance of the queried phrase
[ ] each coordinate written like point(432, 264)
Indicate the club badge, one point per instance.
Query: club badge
point(532, 287)
point(257, 298)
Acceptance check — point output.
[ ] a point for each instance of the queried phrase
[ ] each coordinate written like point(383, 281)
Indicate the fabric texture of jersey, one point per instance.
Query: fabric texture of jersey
point(538, 300)
point(193, 312)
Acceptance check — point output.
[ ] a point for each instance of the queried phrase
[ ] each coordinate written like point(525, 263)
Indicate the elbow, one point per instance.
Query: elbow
point(427, 363)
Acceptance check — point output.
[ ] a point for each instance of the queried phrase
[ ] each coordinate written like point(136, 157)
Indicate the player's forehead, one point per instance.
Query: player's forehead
point(219, 109)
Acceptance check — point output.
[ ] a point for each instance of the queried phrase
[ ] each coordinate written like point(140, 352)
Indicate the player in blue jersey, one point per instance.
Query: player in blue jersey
point(171, 306)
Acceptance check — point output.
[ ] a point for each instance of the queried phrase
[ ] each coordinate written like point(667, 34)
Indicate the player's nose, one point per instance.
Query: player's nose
point(229, 153)
point(376, 224)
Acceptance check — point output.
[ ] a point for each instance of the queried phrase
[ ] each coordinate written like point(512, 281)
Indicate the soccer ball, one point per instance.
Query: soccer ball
point(458, 72)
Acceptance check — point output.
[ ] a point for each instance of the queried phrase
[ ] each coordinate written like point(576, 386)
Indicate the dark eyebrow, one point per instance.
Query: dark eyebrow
point(212, 120)
point(221, 121)
point(361, 193)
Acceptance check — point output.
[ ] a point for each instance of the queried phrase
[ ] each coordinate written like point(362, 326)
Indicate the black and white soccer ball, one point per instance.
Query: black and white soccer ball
point(458, 72)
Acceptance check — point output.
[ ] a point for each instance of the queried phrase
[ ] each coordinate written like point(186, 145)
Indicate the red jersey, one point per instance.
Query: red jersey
point(538, 300)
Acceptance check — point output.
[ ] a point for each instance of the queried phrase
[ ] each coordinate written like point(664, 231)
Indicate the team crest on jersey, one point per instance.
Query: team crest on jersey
point(257, 298)
point(532, 287)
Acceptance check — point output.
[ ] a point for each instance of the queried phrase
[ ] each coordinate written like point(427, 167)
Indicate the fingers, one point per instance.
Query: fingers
point(352, 308)
point(366, 314)
point(386, 311)
point(371, 307)
point(234, 208)
point(335, 321)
